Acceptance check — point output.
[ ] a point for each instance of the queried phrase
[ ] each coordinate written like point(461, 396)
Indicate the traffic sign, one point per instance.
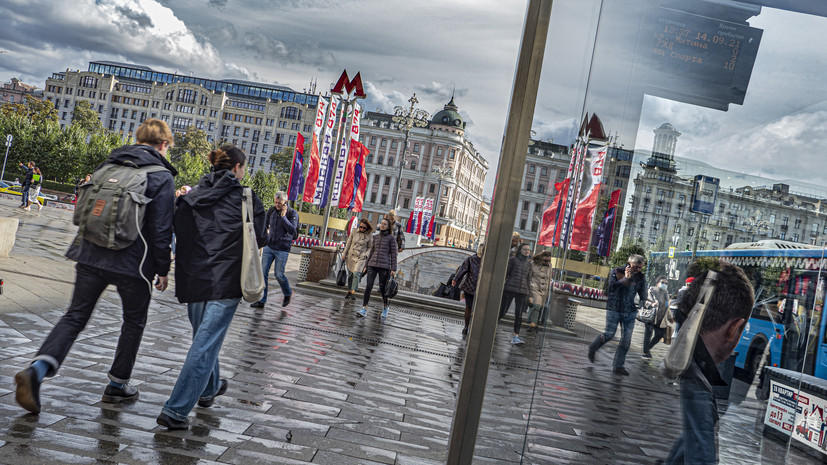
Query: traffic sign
point(671, 252)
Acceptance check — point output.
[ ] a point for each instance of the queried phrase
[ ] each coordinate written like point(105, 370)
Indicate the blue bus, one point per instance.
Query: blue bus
point(786, 328)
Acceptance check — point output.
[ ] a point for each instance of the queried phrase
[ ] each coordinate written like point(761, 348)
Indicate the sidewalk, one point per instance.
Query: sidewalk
point(312, 383)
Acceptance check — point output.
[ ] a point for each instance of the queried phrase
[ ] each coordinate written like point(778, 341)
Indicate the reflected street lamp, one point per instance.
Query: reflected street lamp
point(407, 118)
point(443, 173)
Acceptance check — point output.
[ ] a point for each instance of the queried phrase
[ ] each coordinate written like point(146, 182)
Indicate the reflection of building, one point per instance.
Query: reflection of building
point(261, 119)
point(442, 143)
point(662, 197)
point(546, 164)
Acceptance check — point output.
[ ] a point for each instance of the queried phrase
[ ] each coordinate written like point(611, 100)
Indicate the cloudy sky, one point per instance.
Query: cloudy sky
point(436, 48)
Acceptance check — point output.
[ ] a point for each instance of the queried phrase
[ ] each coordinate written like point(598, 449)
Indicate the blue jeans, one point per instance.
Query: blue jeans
point(626, 321)
point(268, 256)
point(200, 376)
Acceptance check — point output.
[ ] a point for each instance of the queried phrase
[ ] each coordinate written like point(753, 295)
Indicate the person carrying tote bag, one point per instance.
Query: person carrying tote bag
point(209, 264)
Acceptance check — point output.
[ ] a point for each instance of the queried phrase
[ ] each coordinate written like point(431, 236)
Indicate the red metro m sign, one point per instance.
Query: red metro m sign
point(347, 88)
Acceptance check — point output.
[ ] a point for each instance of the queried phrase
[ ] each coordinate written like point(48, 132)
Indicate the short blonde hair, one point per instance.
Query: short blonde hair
point(154, 132)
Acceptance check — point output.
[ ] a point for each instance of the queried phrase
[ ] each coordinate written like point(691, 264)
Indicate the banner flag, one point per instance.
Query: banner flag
point(569, 198)
point(410, 222)
point(313, 167)
point(431, 228)
point(360, 179)
point(346, 195)
point(604, 232)
point(427, 212)
point(326, 161)
point(416, 216)
point(296, 179)
point(552, 217)
point(581, 230)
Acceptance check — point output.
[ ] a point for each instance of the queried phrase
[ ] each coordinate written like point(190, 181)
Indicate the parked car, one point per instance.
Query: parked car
point(6, 188)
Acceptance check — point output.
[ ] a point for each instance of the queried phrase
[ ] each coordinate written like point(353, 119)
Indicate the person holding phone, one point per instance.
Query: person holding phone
point(624, 283)
point(282, 223)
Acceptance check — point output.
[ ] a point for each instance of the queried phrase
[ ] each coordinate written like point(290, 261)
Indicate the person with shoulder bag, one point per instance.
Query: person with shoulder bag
point(208, 276)
point(517, 288)
point(356, 253)
point(282, 230)
point(540, 289)
point(466, 276)
point(129, 263)
point(655, 331)
point(382, 262)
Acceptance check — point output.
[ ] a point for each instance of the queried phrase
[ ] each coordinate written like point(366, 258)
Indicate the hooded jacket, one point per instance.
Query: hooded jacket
point(281, 229)
point(384, 250)
point(157, 227)
point(208, 225)
point(518, 275)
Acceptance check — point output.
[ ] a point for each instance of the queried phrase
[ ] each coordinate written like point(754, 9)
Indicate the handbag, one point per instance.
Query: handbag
point(667, 337)
point(341, 276)
point(648, 313)
point(393, 288)
point(252, 279)
point(680, 353)
point(441, 290)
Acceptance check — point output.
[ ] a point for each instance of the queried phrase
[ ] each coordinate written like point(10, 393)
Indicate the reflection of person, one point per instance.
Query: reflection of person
point(128, 269)
point(396, 230)
point(624, 284)
point(208, 277)
point(356, 254)
point(282, 223)
point(517, 288)
point(727, 312)
point(515, 241)
point(655, 332)
point(381, 262)
point(540, 288)
point(467, 275)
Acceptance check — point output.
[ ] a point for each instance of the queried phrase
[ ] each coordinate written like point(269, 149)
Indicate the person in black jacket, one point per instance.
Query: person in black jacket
point(466, 276)
point(282, 223)
point(624, 284)
point(28, 171)
point(517, 288)
point(382, 262)
point(208, 277)
point(129, 270)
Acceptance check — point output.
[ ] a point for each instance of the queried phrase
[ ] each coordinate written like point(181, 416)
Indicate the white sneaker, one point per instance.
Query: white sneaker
point(517, 341)
point(385, 312)
point(362, 311)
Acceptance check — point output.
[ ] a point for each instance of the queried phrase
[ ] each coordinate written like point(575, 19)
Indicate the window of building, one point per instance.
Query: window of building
point(522, 223)
point(384, 199)
point(416, 148)
point(795, 237)
point(439, 152)
point(410, 184)
point(690, 232)
point(431, 188)
point(772, 218)
point(373, 140)
point(797, 223)
point(390, 161)
point(541, 188)
point(394, 144)
point(783, 235)
point(384, 143)
point(380, 160)
point(531, 169)
point(406, 202)
point(543, 171)
point(387, 182)
point(246, 132)
point(452, 154)
point(784, 221)
point(677, 228)
point(529, 186)
point(525, 205)
point(413, 164)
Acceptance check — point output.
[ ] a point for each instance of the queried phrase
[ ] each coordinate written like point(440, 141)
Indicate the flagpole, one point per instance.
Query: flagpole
point(569, 216)
point(591, 228)
point(331, 179)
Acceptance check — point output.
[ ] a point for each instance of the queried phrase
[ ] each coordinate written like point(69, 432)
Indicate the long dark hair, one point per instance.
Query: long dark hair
point(226, 157)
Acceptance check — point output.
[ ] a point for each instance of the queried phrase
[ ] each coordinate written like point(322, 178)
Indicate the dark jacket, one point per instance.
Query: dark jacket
point(622, 291)
point(157, 228)
point(383, 253)
point(208, 228)
point(518, 275)
point(470, 270)
point(29, 174)
point(698, 442)
point(281, 229)
point(399, 233)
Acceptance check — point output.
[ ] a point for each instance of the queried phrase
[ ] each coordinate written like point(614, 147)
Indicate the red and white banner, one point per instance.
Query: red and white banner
point(326, 161)
point(415, 217)
point(553, 217)
point(313, 162)
point(360, 178)
point(343, 182)
point(589, 193)
point(573, 175)
point(427, 211)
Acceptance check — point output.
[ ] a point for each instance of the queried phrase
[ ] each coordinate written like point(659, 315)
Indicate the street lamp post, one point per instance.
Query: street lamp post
point(407, 118)
point(8, 146)
point(443, 173)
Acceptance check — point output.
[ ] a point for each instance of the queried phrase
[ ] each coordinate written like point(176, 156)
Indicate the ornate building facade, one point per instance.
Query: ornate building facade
point(262, 119)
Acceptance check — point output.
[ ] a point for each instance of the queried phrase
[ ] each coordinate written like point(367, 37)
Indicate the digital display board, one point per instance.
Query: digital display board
point(697, 59)
point(704, 194)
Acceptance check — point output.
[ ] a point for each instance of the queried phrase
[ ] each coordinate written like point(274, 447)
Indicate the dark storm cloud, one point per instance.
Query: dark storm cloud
point(220, 4)
point(141, 19)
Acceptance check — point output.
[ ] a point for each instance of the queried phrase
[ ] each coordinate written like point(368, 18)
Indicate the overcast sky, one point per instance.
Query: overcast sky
point(436, 48)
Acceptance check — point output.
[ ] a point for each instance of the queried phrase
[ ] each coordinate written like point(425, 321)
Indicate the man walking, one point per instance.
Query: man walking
point(282, 223)
point(27, 182)
point(129, 269)
point(624, 284)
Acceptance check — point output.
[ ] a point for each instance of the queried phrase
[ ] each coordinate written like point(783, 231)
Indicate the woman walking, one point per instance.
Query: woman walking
point(517, 288)
point(655, 332)
point(540, 288)
point(208, 277)
point(467, 275)
point(381, 261)
point(34, 190)
point(356, 254)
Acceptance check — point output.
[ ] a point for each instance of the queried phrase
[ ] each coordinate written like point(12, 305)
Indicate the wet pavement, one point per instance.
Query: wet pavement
point(313, 383)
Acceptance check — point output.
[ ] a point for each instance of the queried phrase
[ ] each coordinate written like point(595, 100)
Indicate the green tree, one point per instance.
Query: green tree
point(190, 169)
point(282, 161)
point(193, 141)
point(265, 185)
point(86, 117)
point(37, 111)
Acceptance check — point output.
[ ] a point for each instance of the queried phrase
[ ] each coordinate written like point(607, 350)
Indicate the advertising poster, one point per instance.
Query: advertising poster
point(810, 422)
point(781, 408)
